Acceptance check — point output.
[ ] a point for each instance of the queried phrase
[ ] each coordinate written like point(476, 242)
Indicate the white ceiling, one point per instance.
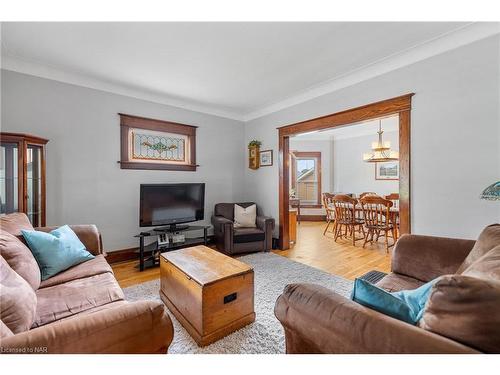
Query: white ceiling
point(389, 124)
point(237, 70)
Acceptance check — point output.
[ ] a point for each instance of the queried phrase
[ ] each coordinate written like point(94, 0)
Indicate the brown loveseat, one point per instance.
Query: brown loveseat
point(231, 240)
point(462, 314)
point(80, 310)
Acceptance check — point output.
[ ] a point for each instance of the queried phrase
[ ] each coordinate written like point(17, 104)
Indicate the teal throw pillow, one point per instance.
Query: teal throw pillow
point(405, 305)
point(56, 251)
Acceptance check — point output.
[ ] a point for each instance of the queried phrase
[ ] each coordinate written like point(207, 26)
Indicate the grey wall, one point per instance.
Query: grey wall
point(454, 137)
point(84, 182)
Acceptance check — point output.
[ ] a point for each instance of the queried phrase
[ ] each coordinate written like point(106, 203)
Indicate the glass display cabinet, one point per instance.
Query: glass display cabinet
point(22, 176)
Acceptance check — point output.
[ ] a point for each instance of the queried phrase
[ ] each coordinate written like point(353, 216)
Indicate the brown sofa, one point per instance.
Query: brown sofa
point(462, 314)
point(231, 240)
point(80, 310)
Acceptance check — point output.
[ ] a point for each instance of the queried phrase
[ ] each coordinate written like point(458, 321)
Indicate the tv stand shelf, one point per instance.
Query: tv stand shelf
point(148, 253)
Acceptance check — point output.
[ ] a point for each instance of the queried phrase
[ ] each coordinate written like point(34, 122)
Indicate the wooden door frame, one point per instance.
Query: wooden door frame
point(400, 105)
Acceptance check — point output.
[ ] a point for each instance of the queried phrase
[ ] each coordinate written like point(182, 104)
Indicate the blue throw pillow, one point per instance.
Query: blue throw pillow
point(56, 251)
point(405, 305)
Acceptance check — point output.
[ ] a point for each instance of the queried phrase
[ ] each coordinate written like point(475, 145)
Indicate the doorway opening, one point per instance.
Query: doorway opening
point(300, 175)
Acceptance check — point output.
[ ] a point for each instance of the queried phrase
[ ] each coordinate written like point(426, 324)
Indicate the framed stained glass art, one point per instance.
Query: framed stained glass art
point(156, 144)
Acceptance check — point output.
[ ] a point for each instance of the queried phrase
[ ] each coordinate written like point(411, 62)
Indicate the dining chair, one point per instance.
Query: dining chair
point(378, 219)
point(394, 198)
point(367, 193)
point(345, 217)
point(330, 210)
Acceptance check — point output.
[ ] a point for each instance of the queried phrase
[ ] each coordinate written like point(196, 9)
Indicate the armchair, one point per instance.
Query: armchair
point(230, 240)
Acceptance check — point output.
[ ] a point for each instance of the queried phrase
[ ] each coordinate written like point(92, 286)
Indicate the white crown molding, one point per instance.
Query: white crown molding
point(15, 64)
point(457, 38)
point(454, 39)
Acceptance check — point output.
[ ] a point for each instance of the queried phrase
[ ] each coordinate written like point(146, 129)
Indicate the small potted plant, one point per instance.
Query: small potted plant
point(253, 154)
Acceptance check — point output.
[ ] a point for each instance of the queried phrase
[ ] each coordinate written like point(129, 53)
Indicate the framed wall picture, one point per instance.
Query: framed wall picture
point(157, 144)
point(266, 158)
point(387, 170)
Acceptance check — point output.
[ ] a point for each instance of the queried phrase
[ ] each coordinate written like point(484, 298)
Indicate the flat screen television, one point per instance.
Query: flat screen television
point(171, 204)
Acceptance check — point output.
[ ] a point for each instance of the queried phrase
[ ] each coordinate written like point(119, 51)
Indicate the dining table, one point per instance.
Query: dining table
point(393, 212)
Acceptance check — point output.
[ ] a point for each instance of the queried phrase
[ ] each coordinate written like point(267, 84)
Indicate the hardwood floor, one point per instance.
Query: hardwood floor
point(339, 258)
point(312, 248)
point(128, 274)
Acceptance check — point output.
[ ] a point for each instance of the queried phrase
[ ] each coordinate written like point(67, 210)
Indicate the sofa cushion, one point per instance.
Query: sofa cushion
point(465, 309)
point(4, 330)
point(91, 267)
point(487, 240)
point(15, 222)
point(93, 310)
point(20, 258)
point(17, 300)
point(56, 251)
point(395, 282)
point(244, 235)
point(486, 267)
point(73, 297)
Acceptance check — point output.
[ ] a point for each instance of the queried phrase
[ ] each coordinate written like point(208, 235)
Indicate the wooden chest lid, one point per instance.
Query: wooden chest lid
point(205, 265)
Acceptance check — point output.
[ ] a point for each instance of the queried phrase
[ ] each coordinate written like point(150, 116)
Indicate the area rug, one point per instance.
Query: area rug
point(264, 336)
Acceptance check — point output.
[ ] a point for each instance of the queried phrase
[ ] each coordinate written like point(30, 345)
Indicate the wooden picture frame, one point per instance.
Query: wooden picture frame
point(387, 171)
point(266, 158)
point(156, 144)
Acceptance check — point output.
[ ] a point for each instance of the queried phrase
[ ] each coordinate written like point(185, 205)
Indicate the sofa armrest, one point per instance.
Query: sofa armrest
point(221, 224)
point(87, 233)
point(266, 224)
point(317, 320)
point(138, 327)
point(223, 232)
point(428, 257)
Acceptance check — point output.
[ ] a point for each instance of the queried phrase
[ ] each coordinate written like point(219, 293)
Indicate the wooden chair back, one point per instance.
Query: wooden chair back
point(367, 193)
point(394, 198)
point(329, 207)
point(345, 208)
point(376, 211)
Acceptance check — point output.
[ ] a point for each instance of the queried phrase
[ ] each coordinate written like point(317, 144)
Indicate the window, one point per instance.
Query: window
point(306, 177)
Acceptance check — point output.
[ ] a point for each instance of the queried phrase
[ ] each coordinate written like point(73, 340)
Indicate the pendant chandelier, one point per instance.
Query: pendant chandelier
point(381, 151)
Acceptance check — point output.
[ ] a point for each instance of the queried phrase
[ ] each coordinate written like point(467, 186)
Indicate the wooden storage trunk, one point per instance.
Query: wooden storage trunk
point(210, 293)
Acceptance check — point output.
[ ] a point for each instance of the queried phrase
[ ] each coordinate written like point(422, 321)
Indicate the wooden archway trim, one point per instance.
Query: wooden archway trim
point(400, 105)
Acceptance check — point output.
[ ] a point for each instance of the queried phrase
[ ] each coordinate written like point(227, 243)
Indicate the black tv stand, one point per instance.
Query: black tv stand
point(172, 228)
point(149, 253)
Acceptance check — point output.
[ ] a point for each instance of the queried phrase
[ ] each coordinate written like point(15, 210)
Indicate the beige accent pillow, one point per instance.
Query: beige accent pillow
point(465, 309)
point(245, 217)
point(17, 300)
point(20, 258)
point(487, 240)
